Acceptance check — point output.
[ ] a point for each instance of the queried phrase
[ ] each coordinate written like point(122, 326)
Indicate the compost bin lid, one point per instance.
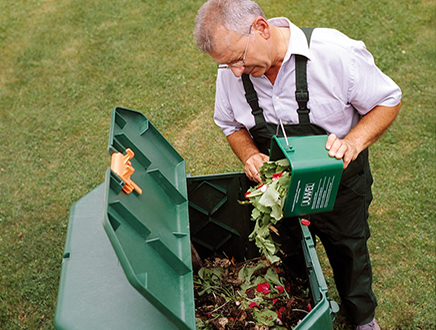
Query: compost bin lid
point(146, 215)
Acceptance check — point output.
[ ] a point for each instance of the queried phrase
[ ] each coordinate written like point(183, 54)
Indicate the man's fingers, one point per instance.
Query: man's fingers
point(256, 177)
point(330, 140)
point(342, 151)
point(337, 149)
point(253, 164)
point(252, 173)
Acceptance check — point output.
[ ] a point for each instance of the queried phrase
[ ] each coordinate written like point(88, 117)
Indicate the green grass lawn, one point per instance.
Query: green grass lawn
point(64, 65)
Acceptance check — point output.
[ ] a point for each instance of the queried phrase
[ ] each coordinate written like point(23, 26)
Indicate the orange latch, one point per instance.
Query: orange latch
point(122, 167)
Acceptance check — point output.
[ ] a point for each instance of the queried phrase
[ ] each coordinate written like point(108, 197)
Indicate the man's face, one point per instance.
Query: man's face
point(231, 47)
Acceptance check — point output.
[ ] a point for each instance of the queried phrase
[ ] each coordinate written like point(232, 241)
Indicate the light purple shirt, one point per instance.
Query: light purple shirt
point(343, 81)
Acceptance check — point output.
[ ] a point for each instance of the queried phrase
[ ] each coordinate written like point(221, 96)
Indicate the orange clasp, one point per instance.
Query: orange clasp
point(121, 165)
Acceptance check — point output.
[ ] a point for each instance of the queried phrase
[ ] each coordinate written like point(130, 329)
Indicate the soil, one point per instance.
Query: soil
point(227, 308)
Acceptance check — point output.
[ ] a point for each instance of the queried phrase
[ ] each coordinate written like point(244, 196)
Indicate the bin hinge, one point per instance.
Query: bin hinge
point(121, 166)
point(334, 309)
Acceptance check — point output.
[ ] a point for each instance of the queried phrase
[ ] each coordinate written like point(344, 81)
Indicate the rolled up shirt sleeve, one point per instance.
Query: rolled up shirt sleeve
point(232, 111)
point(369, 86)
point(223, 115)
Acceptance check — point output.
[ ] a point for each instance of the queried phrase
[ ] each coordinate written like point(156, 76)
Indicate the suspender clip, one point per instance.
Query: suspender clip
point(251, 97)
point(302, 95)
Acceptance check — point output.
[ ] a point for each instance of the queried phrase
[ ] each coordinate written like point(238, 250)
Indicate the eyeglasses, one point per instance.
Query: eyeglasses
point(241, 63)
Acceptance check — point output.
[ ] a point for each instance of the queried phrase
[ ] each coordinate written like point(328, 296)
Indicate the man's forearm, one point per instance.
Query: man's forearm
point(367, 131)
point(244, 147)
point(372, 126)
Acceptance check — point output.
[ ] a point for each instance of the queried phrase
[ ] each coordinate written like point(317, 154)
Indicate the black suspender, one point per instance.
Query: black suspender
point(253, 101)
point(301, 93)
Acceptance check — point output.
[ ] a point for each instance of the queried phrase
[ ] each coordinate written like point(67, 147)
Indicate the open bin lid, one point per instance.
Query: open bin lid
point(315, 176)
point(149, 227)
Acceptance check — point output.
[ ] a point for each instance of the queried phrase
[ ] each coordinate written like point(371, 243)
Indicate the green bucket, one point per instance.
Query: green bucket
point(315, 176)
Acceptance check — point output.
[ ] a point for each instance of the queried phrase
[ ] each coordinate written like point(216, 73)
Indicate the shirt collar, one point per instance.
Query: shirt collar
point(297, 41)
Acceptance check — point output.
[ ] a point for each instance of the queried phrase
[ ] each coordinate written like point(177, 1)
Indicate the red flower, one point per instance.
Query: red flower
point(275, 300)
point(253, 304)
point(263, 287)
point(260, 186)
point(280, 288)
point(288, 287)
point(276, 176)
point(309, 307)
point(208, 314)
point(280, 312)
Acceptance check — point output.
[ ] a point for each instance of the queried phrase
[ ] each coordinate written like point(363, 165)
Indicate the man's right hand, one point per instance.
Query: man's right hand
point(243, 146)
point(253, 164)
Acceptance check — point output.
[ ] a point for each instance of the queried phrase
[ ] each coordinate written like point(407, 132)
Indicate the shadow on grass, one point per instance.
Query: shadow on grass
point(342, 323)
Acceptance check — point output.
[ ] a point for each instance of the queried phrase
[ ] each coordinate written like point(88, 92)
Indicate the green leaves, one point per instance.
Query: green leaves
point(246, 274)
point(209, 279)
point(268, 200)
point(247, 295)
point(266, 316)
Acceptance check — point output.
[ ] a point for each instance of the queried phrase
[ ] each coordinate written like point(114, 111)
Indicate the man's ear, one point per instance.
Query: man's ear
point(261, 26)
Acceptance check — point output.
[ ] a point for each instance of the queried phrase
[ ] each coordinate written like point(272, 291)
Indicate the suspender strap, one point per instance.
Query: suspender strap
point(301, 92)
point(253, 101)
point(308, 32)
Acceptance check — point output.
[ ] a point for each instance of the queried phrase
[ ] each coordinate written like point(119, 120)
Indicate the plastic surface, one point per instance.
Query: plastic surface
point(315, 175)
point(320, 318)
point(148, 282)
point(219, 224)
point(150, 232)
point(94, 293)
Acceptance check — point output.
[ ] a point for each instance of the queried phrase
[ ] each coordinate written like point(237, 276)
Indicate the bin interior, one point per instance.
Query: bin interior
point(219, 225)
point(151, 232)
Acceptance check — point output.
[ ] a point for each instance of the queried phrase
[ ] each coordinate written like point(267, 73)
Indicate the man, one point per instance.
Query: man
point(348, 98)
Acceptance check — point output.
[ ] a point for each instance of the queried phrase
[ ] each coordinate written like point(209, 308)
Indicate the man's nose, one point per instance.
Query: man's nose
point(237, 71)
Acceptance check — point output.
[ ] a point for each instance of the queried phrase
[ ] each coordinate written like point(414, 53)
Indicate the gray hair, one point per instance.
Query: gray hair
point(234, 15)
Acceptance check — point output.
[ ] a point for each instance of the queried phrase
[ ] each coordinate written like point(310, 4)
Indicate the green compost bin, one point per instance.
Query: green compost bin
point(145, 279)
point(150, 231)
point(315, 176)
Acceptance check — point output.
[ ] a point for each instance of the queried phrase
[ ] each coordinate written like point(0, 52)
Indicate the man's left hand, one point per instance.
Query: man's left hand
point(342, 149)
point(370, 127)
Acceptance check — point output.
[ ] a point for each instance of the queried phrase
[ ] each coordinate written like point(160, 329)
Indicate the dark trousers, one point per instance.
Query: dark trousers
point(344, 233)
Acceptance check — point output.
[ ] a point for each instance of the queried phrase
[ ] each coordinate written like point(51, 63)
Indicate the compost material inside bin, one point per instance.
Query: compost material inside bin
point(254, 294)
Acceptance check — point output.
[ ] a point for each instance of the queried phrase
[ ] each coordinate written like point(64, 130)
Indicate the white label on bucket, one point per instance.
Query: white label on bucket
point(307, 194)
point(297, 194)
point(322, 195)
